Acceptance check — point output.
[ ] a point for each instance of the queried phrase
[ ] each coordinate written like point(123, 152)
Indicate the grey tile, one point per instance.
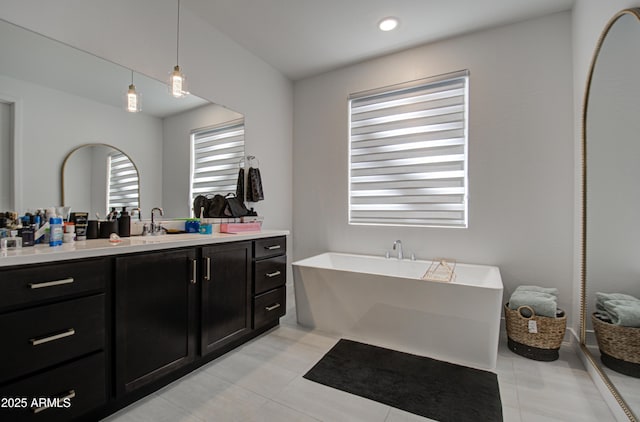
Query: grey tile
point(210, 398)
point(397, 415)
point(153, 409)
point(329, 404)
point(272, 411)
point(252, 373)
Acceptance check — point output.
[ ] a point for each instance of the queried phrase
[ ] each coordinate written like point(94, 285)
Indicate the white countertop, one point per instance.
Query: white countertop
point(102, 247)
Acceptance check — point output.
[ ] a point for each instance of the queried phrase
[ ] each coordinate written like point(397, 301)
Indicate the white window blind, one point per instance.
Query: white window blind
point(216, 153)
point(408, 153)
point(123, 182)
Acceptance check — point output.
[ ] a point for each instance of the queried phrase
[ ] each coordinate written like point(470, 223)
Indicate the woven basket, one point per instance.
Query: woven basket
point(619, 346)
point(544, 344)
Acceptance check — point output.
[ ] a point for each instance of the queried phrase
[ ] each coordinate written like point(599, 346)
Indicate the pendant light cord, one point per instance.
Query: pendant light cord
point(131, 76)
point(178, 36)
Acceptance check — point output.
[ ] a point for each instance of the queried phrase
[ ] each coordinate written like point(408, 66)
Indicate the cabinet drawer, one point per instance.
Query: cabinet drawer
point(44, 336)
point(49, 281)
point(80, 386)
point(269, 307)
point(271, 246)
point(270, 273)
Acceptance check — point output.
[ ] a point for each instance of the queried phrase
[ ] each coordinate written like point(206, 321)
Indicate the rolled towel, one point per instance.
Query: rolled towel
point(543, 304)
point(601, 298)
point(547, 290)
point(624, 312)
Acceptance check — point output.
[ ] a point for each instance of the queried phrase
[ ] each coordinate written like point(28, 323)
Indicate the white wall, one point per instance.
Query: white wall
point(141, 34)
point(520, 154)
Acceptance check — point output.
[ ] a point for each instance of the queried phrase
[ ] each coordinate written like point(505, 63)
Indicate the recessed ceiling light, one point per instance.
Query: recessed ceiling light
point(388, 24)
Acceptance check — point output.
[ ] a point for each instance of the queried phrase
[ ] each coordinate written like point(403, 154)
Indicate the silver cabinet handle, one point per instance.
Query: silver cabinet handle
point(66, 333)
point(194, 271)
point(69, 395)
point(273, 274)
point(68, 280)
point(208, 275)
point(271, 308)
point(272, 247)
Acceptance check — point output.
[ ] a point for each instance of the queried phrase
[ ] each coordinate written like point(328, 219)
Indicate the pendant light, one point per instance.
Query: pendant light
point(132, 103)
point(177, 80)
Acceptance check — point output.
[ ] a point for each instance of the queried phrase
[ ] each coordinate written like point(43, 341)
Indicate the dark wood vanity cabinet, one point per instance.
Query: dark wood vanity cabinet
point(269, 275)
point(155, 310)
point(100, 333)
point(226, 294)
point(54, 320)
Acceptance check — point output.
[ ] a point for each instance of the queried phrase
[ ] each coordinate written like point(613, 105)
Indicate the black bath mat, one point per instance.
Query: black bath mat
point(427, 387)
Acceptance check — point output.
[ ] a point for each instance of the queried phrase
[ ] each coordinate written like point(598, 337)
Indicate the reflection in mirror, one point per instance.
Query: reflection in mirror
point(68, 97)
point(97, 178)
point(6, 144)
point(612, 202)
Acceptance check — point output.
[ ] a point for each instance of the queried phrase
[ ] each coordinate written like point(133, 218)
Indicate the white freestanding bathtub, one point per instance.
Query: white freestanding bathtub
point(385, 302)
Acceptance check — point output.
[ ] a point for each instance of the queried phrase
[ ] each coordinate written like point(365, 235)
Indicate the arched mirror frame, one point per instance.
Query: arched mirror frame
point(634, 12)
point(96, 144)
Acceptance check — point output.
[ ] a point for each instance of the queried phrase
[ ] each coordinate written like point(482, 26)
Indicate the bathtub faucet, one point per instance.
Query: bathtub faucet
point(398, 244)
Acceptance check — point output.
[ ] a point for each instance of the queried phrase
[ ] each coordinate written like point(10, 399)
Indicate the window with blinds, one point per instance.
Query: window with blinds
point(408, 153)
point(215, 156)
point(122, 190)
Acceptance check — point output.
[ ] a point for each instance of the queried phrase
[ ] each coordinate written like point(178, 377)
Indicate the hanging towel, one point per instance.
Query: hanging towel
point(240, 184)
point(254, 191)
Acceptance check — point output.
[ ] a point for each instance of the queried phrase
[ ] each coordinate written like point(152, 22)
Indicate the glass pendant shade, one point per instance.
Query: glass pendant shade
point(133, 103)
point(177, 83)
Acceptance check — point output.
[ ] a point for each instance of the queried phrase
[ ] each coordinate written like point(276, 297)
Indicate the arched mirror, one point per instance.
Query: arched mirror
point(98, 177)
point(611, 205)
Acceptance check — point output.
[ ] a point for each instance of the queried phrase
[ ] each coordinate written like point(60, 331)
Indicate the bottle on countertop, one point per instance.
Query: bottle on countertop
point(55, 231)
point(124, 223)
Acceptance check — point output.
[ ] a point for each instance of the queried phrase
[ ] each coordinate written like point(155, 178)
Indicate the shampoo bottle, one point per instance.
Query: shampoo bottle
point(124, 223)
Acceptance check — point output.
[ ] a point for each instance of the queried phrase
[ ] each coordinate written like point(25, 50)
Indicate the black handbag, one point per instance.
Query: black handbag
point(210, 207)
point(235, 206)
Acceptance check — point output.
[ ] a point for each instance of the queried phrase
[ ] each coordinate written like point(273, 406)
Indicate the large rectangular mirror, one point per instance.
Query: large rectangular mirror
point(55, 98)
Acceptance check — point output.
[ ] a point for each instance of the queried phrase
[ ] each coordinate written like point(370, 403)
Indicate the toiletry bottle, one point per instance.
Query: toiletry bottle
point(112, 219)
point(55, 231)
point(124, 223)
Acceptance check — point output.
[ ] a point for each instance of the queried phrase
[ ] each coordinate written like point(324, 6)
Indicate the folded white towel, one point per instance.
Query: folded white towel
point(624, 312)
point(543, 304)
point(547, 290)
point(601, 298)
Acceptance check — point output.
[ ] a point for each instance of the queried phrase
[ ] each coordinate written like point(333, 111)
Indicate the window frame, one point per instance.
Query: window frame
point(192, 154)
point(398, 89)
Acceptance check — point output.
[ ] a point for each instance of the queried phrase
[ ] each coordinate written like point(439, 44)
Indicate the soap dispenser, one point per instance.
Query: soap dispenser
point(124, 223)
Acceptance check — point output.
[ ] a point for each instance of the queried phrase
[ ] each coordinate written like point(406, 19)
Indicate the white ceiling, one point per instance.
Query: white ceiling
point(306, 37)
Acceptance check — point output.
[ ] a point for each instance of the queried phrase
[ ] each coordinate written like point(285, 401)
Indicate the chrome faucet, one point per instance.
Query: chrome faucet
point(398, 243)
point(155, 229)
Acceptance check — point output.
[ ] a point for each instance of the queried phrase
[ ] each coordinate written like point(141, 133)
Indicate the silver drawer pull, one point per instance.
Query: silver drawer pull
point(271, 308)
point(272, 247)
point(194, 271)
point(51, 283)
point(273, 274)
point(71, 394)
point(66, 333)
point(208, 274)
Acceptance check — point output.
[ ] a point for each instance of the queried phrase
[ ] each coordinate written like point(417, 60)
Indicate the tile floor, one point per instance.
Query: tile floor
point(262, 381)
